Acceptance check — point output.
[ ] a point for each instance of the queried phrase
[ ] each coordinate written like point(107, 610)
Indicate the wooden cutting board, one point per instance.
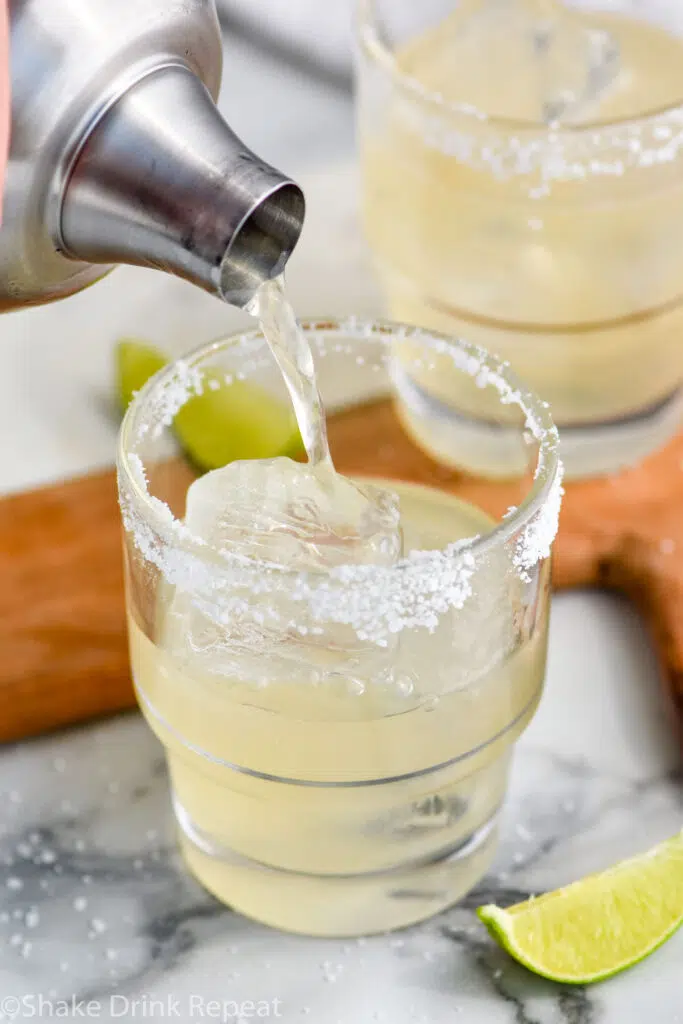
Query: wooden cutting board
point(63, 646)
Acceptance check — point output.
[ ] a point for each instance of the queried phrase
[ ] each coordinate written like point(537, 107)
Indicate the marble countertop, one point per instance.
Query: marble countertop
point(94, 904)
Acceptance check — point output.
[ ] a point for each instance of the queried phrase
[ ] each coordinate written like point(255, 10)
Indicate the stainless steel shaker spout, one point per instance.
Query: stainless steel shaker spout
point(163, 181)
point(119, 155)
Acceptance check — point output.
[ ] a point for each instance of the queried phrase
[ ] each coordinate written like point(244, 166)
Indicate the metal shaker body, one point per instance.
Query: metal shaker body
point(118, 154)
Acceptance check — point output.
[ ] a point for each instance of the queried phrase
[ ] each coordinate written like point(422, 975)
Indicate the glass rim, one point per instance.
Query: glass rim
point(544, 489)
point(373, 47)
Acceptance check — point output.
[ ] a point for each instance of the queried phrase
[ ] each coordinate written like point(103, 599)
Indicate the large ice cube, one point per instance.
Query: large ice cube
point(553, 62)
point(295, 515)
point(279, 513)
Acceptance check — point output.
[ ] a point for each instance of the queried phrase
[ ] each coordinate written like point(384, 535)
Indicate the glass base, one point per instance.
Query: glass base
point(337, 906)
point(493, 450)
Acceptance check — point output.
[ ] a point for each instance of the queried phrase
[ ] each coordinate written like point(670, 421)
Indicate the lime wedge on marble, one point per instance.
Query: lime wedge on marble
point(239, 420)
point(599, 926)
point(135, 363)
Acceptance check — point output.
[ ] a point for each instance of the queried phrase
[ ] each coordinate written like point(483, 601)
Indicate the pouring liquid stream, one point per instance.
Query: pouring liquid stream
point(294, 358)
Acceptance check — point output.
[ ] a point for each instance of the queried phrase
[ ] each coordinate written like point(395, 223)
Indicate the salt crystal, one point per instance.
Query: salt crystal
point(32, 919)
point(14, 883)
point(59, 764)
point(523, 833)
point(98, 925)
point(80, 903)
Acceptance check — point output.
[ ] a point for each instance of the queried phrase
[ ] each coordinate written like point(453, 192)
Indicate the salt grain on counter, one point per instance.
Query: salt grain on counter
point(32, 919)
point(80, 904)
point(14, 883)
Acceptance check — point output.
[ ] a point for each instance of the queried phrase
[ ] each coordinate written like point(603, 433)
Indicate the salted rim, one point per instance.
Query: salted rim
point(544, 493)
point(375, 49)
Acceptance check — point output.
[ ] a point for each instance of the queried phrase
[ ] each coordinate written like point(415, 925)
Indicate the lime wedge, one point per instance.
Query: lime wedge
point(599, 926)
point(236, 421)
point(136, 362)
point(240, 420)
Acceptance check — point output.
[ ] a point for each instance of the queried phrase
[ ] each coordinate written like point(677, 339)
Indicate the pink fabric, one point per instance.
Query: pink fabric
point(4, 96)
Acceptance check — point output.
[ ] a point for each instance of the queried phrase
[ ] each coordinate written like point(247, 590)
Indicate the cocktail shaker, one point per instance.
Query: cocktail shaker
point(118, 154)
